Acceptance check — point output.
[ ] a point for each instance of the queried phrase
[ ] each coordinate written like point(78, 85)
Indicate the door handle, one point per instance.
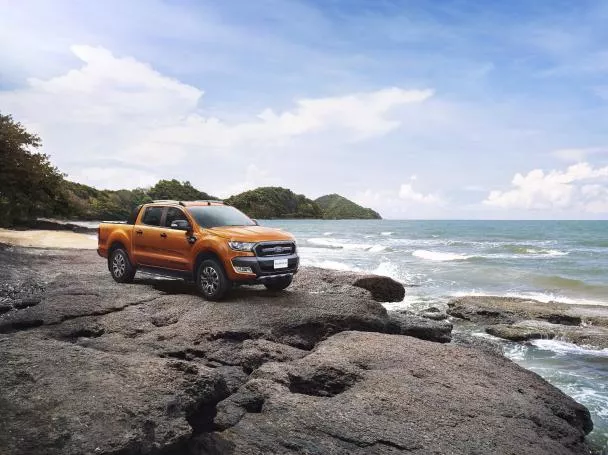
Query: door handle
point(139, 232)
point(163, 235)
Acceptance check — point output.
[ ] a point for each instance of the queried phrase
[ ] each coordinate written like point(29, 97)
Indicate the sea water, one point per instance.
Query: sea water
point(561, 261)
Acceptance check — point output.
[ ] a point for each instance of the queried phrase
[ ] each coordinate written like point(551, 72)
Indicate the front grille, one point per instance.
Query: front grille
point(275, 249)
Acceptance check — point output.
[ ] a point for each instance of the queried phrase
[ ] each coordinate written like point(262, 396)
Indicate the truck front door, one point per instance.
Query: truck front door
point(175, 245)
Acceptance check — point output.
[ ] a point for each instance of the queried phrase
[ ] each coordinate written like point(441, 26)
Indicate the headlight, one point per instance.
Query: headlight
point(241, 246)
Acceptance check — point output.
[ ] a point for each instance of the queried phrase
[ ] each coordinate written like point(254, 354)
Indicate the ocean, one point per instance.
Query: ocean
point(563, 261)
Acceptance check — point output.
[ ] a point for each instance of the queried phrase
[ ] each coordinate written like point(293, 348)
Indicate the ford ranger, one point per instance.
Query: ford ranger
point(209, 242)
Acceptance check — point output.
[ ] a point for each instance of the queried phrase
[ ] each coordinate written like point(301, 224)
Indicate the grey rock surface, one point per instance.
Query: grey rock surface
point(523, 319)
point(91, 366)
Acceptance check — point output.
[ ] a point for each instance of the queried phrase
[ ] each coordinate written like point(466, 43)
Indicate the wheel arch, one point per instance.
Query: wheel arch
point(207, 254)
point(114, 246)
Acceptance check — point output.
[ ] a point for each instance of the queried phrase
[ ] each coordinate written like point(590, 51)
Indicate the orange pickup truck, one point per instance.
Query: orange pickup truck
point(209, 242)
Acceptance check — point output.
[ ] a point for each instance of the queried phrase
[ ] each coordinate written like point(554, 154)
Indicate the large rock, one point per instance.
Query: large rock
point(381, 288)
point(534, 330)
point(507, 310)
point(420, 327)
point(92, 366)
point(61, 398)
point(374, 393)
point(524, 319)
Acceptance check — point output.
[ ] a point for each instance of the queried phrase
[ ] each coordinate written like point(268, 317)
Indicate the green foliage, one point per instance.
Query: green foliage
point(88, 203)
point(336, 207)
point(275, 202)
point(180, 191)
point(29, 185)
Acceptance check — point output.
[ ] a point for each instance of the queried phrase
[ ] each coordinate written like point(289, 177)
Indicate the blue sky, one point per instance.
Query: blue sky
point(420, 109)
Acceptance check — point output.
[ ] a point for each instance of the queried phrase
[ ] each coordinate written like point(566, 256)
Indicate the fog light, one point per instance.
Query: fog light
point(243, 269)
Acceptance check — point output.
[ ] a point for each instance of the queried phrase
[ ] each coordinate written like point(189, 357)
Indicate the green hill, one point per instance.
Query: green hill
point(275, 202)
point(336, 207)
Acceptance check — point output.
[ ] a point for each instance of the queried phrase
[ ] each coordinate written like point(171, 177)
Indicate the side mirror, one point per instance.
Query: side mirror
point(180, 225)
point(255, 221)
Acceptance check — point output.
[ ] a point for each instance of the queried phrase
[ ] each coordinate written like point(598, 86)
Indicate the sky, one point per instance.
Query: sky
point(449, 109)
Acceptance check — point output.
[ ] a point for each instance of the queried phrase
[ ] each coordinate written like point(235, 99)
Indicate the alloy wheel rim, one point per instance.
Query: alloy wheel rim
point(119, 265)
point(210, 280)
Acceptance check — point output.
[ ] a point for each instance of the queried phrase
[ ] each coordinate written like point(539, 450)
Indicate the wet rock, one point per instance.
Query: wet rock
point(534, 330)
point(524, 319)
point(419, 327)
point(382, 288)
point(489, 310)
point(433, 313)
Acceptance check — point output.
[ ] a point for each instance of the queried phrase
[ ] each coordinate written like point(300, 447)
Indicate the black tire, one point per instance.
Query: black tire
point(278, 284)
point(120, 266)
point(211, 280)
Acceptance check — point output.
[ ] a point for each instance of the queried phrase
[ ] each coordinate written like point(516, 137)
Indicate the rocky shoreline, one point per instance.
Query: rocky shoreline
point(518, 319)
point(90, 366)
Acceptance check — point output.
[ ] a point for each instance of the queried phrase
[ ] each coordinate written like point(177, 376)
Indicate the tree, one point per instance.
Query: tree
point(180, 191)
point(29, 185)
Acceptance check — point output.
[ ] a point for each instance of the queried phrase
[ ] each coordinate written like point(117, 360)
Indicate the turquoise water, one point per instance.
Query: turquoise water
point(565, 261)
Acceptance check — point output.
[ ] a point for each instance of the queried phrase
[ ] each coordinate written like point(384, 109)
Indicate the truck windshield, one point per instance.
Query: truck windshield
point(211, 216)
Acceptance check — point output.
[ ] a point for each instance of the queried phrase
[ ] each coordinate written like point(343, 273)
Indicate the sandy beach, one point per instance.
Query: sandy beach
point(48, 239)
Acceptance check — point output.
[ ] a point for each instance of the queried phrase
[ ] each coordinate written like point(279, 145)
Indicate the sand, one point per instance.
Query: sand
point(48, 239)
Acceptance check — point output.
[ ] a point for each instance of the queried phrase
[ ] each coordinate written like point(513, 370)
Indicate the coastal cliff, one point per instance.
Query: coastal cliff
point(90, 366)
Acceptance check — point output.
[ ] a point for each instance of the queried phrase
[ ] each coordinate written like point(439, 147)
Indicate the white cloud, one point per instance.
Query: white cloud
point(580, 187)
point(254, 177)
point(114, 178)
point(121, 109)
point(403, 203)
point(407, 192)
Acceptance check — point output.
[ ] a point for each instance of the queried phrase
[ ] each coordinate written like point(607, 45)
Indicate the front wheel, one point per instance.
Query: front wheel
point(278, 284)
point(211, 280)
point(120, 266)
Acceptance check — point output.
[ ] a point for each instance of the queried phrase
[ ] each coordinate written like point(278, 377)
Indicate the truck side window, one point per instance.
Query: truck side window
point(174, 214)
point(152, 216)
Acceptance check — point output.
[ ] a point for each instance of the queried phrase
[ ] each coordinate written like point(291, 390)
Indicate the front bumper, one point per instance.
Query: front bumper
point(263, 267)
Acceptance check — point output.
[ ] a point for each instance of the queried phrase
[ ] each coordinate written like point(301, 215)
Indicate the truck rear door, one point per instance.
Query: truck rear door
point(147, 237)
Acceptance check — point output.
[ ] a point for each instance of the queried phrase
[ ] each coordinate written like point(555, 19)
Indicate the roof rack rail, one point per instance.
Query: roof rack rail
point(172, 201)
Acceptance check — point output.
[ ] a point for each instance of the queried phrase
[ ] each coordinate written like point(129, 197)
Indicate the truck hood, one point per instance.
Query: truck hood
point(251, 233)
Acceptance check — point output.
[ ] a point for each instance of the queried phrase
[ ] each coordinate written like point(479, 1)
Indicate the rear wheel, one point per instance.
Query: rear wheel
point(211, 280)
point(278, 284)
point(120, 266)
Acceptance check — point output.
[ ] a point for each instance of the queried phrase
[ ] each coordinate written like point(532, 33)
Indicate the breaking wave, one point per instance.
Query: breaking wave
point(439, 256)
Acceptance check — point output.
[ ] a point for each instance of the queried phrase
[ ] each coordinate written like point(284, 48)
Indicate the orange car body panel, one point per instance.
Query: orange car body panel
point(167, 248)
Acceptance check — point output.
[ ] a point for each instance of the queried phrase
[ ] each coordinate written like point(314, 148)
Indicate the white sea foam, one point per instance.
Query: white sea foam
point(565, 348)
point(439, 256)
point(345, 245)
point(546, 252)
point(386, 233)
point(328, 233)
point(331, 265)
point(544, 297)
point(388, 269)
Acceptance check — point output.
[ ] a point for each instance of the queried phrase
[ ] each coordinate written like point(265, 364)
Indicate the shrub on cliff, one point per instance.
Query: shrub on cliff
point(336, 207)
point(275, 202)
